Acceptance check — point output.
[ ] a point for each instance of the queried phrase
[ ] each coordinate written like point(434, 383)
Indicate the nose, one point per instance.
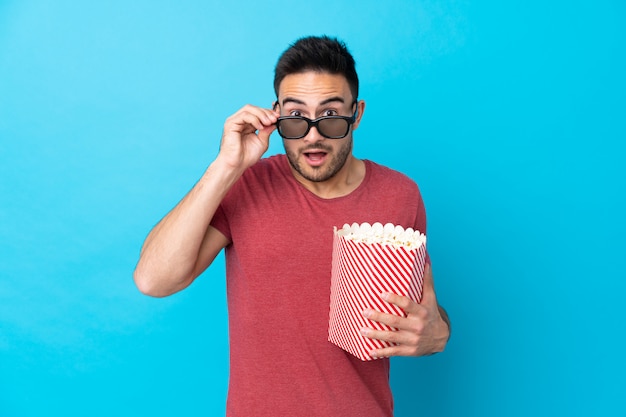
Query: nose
point(313, 135)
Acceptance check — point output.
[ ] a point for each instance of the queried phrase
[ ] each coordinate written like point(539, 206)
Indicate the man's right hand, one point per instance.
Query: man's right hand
point(183, 244)
point(246, 136)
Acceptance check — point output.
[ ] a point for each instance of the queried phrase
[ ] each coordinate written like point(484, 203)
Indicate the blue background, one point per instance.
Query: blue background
point(510, 115)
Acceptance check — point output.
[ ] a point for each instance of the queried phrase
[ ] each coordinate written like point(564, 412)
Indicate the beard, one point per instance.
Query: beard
point(328, 170)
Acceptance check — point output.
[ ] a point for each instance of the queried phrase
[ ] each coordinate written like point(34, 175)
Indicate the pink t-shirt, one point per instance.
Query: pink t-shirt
point(278, 270)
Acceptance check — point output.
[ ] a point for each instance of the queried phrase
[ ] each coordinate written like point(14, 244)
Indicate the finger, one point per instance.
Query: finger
point(252, 116)
point(405, 303)
point(391, 320)
point(257, 121)
point(267, 116)
point(264, 134)
point(242, 122)
point(261, 112)
point(393, 351)
point(395, 337)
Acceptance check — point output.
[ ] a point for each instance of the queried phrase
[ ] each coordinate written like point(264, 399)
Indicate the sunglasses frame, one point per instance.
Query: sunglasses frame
point(315, 122)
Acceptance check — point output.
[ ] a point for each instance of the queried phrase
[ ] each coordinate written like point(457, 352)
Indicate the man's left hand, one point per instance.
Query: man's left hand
point(422, 332)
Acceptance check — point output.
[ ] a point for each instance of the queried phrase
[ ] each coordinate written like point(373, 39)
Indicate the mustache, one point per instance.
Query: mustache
point(316, 146)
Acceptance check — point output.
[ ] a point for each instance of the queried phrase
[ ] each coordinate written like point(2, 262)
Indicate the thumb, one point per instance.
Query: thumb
point(428, 284)
point(264, 134)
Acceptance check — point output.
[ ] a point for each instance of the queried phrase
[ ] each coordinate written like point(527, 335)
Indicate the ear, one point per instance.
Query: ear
point(360, 106)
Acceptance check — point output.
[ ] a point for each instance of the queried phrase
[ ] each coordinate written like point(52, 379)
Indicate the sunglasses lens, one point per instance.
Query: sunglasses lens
point(333, 128)
point(292, 128)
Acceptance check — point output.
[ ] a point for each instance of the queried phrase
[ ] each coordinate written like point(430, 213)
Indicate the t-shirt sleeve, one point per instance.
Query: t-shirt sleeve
point(220, 222)
point(420, 218)
point(420, 215)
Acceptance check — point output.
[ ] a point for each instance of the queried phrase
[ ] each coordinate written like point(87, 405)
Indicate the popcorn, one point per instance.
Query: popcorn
point(386, 235)
point(367, 261)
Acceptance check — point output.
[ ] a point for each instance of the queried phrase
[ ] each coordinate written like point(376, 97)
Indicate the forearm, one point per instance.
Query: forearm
point(170, 253)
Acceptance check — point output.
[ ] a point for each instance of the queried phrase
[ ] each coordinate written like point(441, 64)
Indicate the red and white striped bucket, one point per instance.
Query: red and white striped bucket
point(361, 272)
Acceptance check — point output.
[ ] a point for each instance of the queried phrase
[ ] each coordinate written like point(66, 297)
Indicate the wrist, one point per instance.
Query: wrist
point(219, 177)
point(226, 168)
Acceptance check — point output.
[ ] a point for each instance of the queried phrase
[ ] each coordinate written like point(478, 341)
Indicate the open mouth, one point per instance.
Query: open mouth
point(316, 157)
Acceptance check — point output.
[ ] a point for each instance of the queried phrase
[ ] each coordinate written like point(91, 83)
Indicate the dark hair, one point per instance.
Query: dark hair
point(321, 54)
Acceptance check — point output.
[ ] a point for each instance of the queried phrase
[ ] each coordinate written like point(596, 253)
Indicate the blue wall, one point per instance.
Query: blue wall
point(510, 115)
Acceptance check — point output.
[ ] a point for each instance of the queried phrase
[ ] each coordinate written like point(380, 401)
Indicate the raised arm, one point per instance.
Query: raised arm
point(183, 244)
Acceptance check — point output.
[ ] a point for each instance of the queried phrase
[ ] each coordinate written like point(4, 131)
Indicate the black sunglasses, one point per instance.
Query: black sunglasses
point(331, 127)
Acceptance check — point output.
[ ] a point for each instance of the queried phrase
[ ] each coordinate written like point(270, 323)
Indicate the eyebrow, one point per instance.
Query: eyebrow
point(322, 103)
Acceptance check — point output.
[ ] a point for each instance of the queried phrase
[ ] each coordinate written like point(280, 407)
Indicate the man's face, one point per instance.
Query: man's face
point(316, 94)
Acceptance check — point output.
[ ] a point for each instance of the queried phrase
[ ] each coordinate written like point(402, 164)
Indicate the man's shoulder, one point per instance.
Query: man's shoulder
point(269, 163)
point(389, 175)
point(263, 178)
point(267, 168)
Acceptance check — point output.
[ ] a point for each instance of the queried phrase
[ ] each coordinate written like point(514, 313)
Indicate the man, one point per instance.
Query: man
point(275, 218)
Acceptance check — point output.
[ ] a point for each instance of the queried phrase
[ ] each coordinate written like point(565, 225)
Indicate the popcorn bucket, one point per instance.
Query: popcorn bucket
point(367, 261)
